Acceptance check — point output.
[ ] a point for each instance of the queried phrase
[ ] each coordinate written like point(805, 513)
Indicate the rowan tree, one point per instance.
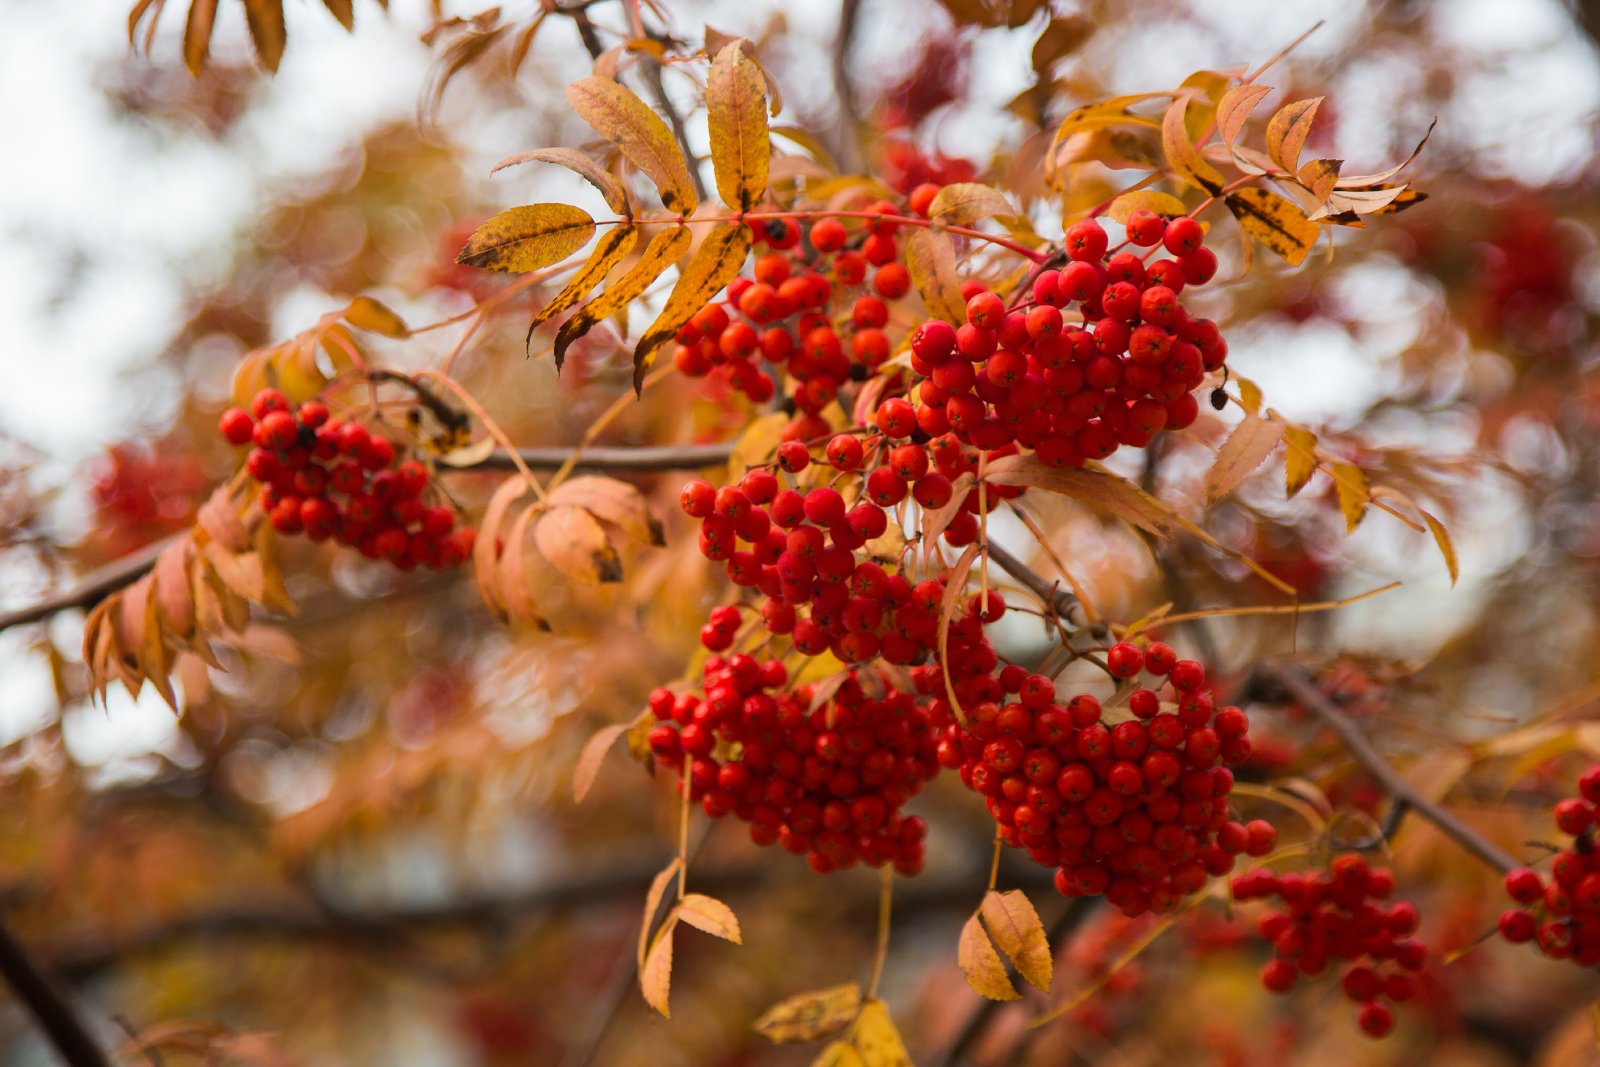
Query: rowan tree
point(806, 589)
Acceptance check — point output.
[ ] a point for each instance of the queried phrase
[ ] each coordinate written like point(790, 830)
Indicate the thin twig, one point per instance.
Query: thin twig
point(48, 1004)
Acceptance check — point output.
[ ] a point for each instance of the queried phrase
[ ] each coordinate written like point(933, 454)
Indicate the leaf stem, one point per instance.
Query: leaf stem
point(885, 907)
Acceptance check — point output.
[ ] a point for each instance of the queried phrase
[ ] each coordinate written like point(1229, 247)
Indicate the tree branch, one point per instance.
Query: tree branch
point(48, 1004)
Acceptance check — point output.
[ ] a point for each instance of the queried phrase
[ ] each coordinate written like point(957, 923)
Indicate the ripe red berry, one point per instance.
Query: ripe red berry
point(1124, 660)
point(1183, 236)
point(268, 400)
point(237, 426)
point(1146, 228)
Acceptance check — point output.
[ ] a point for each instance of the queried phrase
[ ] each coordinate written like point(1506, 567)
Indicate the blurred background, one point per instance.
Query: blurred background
point(357, 844)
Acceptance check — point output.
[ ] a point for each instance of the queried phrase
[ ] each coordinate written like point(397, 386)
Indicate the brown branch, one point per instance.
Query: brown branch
point(106, 580)
point(1300, 686)
point(849, 143)
point(48, 1004)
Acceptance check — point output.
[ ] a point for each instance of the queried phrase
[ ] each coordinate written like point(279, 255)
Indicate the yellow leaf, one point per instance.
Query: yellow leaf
point(581, 164)
point(1350, 482)
point(577, 545)
point(655, 977)
point(809, 1016)
point(931, 262)
point(1246, 448)
point(1112, 112)
point(1275, 222)
point(876, 1038)
point(197, 34)
point(1016, 928)
point(1287, 131)
point(714, 264)
point(756, 443)
point(267, 33)
point(1249, 394)
point(527, 238)
point(639, 133)
point(612, 501)
point(1300, 462)
point(838, 1054)
point(984, 970)
point(652, 901)
point(608, 252)
point(710, 915)
point(1185, 161)
point(593, 754)
point(963, 203)
point(1233, 111)
point(365, 313)
point(664, 248)
point(1099, 489)
point(1151, 200)
point(1447, 548)
point(736, 118)
point(1319, 176)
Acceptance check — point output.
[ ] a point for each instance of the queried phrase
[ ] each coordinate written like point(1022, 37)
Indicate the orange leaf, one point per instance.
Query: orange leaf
point(513, 584)
point(365, 313)
point(652, 901)
point(610, 250)
point(963, 203)
point(267, 33)
point(714, 264)
point(710, 915)
point(931, 262)
point(593, 754)
point(809, 1016)
point(1182, 157)
point(1151, 200)
point(1447, 548)
point(655, 977)
point(527, 238)
point(1287, 131)
point(197, 34)
point(344, 11)
point(639, 133)
point(173, 591)
point(981, 964)
point(485, 547)
point(1246, 448)
point(736, 119)
point(1300, 462)
point(1234, 109)
point(1015, 927)
point(1107, 492)
point(664, 248)
point(1319, 176)
point(1354, 491)
point(609, 500)
point(577, 545)
point(581, 164)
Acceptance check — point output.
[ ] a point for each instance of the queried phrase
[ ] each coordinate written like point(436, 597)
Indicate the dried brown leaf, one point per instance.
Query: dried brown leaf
point(593, 754)
point(1287, 131)
point(963, 203)
point(931, 261)
point(267, 32)
point(197, 34)
point(616, 502)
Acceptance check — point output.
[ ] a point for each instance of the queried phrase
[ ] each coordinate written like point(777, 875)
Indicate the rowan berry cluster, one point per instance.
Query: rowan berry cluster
point(328, 478)
point(1561, 914)
point(825, 777)
point(1336, 917)
point(1132, 807)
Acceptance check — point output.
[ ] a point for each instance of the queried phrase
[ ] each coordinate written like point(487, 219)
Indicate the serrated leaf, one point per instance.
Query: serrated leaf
point(1185, 161)
point(581, 164)
point(197, 34)
point(1234, 109)
point(639, 134)
point(1300, 461)
point(610, 250)
point(655, 977)
point(1016, 929)
point(652, 901)
point(1152, 200)
point(963, 203)
point(809, 1016)
point(616, 502)
point(527, 238)
point(664, 248)
point(594, 754)
point(931, 262)
point(710, 915)
point(1246, 448)
point(1276, 222)
point(365, 313)
point(981, 964)
point(714, 264)
point(876, 1038)
point(736, 119)
point(1354, 491)
point(577, 545)
point(267, 32)
point(1287, 131)
point(1447, 548)
point(1101, 490)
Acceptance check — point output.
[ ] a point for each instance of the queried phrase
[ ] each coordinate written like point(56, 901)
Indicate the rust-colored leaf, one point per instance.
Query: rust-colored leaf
point(611, 249)
point(1234, 109)
point(172, 590)
point(1107, 492)
point(981, 964)
point(1354, 491)
point(577, 545)
point(655, 977)
point(1319, 176)
point(1060, 37)
point(1246, 448)
point(1016, 929)
point(527, 238)
point(616, 502)
point(221, 522)
point(365, 313)
point(876, 1038)
point(485, 547)
point(1447, 548)
point(267, 33)
point(714, 264)
point(1151, 200)
point(1185, 161)
point(197, 34)
point(963, 203)
point(736, 118)
point(639, 134)
point(1276, 222)
point(593, 754)
point(659, 254)
point(1300, 458)
point(1287, 131)
point(709, 915)
point(512, 573)
point(809, 1016)
point(931, 262)
point(344, 11)
point(581, 164)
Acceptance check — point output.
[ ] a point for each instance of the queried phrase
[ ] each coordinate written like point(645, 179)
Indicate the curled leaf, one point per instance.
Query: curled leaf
point(577, 545)
point(931, 262)
point(1447, 548)
point(581, 164)
point(655, 977)
point(1287, 131)
point(652, 901)
point(1185, 161)
point(616, 502)
point(1234, 109)
point(963, 203)
point(515, 591)
point(365, 313)
point(527, 238)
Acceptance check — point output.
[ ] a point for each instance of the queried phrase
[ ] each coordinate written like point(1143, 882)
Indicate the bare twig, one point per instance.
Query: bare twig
point(44, 999)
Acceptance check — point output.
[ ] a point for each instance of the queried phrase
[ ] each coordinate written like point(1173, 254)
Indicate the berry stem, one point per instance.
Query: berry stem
point(683, 825)
point(885, 907)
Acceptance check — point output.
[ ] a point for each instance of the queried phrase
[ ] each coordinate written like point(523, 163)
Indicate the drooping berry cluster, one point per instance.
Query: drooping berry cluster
point(827, 780)
point(1135, 808)
point(1561, 914)
point(1336, 917)
point(329, 478)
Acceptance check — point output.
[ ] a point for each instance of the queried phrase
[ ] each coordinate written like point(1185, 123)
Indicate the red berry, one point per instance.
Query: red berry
point(237, 426)
point(1183, 236)
point(1124, 660)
